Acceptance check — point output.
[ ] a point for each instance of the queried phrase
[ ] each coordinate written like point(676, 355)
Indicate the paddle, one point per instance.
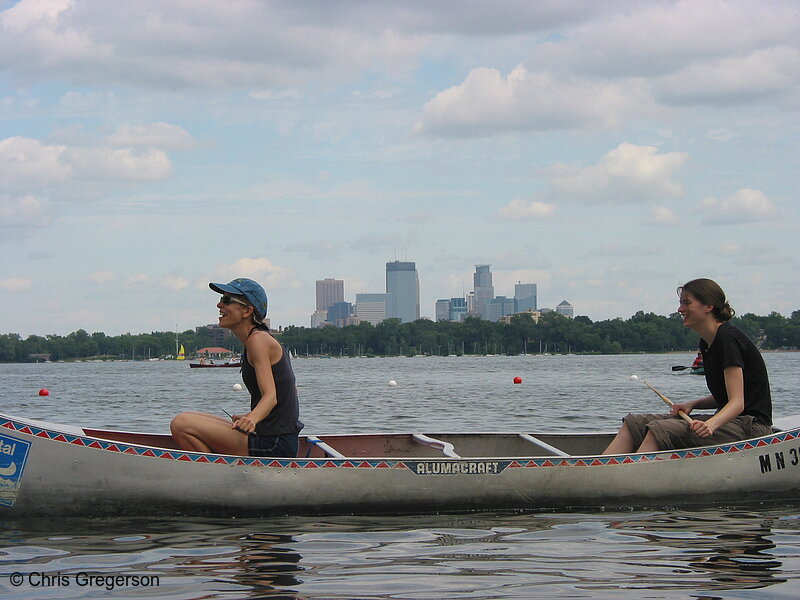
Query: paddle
point(680, 368)
point(682, 414)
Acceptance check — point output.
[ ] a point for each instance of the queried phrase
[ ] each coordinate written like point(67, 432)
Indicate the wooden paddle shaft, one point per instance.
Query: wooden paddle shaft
point(681, 414)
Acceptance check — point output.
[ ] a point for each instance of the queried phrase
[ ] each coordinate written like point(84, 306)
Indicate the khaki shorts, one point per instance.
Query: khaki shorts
point(673, 433)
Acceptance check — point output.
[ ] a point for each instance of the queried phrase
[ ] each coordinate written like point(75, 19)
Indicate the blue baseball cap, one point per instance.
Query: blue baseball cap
point(248, 288)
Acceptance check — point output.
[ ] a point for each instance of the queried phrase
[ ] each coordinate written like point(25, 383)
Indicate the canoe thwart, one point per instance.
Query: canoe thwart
point(543, 445)
point(330, 451)
point(446, 447)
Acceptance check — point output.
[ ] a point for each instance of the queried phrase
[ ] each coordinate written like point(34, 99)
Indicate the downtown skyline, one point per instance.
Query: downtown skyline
point(607, 151)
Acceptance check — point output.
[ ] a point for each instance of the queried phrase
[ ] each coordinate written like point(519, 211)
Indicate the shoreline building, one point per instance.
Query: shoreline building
point(402, 289)
point(483, 290)
point(371, 307)
point(525, 297)
point(566, 309)
point(329, 292)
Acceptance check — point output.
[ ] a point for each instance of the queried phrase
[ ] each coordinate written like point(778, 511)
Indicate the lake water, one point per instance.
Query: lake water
point(738, 551)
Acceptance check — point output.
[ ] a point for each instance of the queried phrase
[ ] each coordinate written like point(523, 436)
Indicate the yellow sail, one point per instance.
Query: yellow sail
point(181, 353)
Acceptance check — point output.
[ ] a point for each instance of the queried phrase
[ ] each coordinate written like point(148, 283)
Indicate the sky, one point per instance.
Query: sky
point(606, 151)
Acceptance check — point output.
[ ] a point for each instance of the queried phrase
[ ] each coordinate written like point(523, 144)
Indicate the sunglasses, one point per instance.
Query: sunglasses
point(228, 299)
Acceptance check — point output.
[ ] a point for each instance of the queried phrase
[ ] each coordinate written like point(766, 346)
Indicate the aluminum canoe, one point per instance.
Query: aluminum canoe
point(52, 469)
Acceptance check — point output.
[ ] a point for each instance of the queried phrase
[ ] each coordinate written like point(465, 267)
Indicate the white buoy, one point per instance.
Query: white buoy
point(634, 377)
point(392, 383)
point(237, 387)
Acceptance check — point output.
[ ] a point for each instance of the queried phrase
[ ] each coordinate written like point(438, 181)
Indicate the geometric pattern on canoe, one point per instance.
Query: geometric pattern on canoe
point(339, 463)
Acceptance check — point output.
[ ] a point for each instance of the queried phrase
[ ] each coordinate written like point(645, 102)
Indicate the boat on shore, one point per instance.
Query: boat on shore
point(213, 365)
point(53, 469)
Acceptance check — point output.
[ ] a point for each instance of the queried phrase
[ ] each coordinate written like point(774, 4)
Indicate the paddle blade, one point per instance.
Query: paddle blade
point(679, 368)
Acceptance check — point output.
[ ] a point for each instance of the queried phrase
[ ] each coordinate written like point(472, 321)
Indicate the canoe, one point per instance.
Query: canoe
point(52, 469)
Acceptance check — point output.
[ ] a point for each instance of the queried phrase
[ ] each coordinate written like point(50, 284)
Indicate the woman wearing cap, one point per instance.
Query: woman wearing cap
point(272, 425)
point(735, 375)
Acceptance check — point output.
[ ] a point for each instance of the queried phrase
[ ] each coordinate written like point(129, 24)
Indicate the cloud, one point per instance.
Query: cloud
point(487, 103)
point(627, 174)
point(662, 215)
point(745, 206)
point(520, 209)
point(152, 135)
point(26, 212)
point(199, 45)
point(260, 269)
point(16, 285)
point(734, 79)
point(30, 164)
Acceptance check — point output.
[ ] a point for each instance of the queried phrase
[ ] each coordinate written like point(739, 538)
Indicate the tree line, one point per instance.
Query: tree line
point(554, 333)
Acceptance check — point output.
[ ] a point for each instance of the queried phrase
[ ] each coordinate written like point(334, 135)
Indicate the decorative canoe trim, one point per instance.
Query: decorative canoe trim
point(381, 463)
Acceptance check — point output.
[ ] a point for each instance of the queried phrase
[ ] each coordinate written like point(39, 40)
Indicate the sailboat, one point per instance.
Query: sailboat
point(181, 353)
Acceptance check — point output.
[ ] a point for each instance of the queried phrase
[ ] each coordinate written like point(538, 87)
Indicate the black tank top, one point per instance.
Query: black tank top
point(285, 416)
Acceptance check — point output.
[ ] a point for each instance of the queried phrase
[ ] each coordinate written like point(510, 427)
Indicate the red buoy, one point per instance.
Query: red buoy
point(44, 392)
point(517, 379)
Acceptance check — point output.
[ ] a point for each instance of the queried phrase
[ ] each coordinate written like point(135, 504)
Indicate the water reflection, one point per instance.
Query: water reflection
point(706, 553)
point(730, 549)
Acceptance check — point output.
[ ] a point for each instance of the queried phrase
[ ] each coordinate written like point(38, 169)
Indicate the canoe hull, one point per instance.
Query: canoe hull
point(68, 473)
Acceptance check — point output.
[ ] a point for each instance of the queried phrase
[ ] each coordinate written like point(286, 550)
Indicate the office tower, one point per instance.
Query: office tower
point(339, 312)
point(483, 289)
point(371, 307)
point(458, 309)
point(402, 286)
point(565, 308)
point(443, 310)
point(498, 307)
point(525, 296)
point(329, 292)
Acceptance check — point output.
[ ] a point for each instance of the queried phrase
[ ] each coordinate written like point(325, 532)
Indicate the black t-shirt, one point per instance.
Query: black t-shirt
point(732, 348)
point(284, 417)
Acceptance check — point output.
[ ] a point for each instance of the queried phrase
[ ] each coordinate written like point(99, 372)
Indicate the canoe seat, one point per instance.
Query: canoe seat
point(543, 445)
point(328, 450)
point(446, 447)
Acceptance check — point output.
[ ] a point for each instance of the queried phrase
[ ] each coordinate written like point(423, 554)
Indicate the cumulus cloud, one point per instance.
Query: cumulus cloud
point(25, 212)
point(732, 80)
point(745, 206)
point(16, 285)
point(201, 44)
point(486, 103)
point(662, 215)
point(521, 209)
point(165, 136)
point(627, 174)
point(259, 269)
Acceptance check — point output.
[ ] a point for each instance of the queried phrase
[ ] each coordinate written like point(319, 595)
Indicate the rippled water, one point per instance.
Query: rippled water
point(750, 551)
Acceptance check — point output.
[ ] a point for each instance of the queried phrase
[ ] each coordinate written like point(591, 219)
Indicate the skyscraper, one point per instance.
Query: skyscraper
point(371, 307)
point(329, 292)
point(483, 289)
point(525, 296)
point(402, 286)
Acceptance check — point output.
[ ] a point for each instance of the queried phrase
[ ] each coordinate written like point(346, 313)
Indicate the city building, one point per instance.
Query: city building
point(402, 288)
point(498, 307)
point(525, 296)
point(483, 289)
point(329, 292)
point(339, 313)
point(443, 310)
point(565, 308)
point(371, 307)
point(458, 309)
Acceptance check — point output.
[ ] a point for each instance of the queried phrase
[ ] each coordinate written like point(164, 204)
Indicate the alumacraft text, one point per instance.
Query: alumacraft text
point(466, 467)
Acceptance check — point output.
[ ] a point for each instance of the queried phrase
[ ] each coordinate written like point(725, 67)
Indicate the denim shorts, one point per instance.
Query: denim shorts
point(276, 446)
